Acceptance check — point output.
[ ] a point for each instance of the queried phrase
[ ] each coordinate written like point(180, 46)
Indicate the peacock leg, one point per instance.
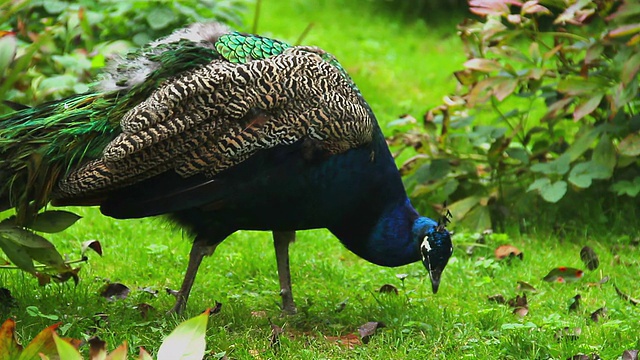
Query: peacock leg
point(199, 250)
point(281, 241)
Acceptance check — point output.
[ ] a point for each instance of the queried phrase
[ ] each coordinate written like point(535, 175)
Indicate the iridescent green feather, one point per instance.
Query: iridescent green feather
point(241, 48)
point(39, 145)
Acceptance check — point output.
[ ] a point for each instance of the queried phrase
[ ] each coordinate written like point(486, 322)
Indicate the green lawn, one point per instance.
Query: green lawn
point(400, 68)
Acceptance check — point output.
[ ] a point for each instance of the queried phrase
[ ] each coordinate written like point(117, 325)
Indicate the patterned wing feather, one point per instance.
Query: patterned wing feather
point(216, 116)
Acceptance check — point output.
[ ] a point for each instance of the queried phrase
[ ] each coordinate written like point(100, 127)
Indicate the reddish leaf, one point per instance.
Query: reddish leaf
point(482, 65)
point(504, 87)
point(624, 30)
point(8, 344)
point(630, 69)
point(626, 297)
point(564, 274)
point(44, 343)
point(630, 145)
point(587, 107)
point(532, 7)
point(489, 7)
point(93, 245)
point(144, 309)
point(519, 305)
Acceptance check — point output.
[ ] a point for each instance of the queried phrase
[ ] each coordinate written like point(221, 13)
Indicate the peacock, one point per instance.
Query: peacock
point(223, 131)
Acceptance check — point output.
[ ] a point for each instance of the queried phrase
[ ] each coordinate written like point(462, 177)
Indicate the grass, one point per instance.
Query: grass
point(401, 67)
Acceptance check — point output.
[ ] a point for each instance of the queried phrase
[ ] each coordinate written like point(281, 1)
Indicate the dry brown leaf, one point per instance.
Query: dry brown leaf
point(497, 298)
point(388, 289)
point(568, 333)
point(349, 341)
point(525, 286)
point(575, 304)
point(630, 355)
point(590, 258)
point(367, 330)
point(505, 251)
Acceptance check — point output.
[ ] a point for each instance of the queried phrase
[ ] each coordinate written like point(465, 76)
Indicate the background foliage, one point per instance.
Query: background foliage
point(547, 104)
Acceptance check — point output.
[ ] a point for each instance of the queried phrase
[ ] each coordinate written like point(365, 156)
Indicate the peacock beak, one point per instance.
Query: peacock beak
point(434, 274)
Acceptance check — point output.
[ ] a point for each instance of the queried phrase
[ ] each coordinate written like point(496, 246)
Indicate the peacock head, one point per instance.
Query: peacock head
point(436, 249)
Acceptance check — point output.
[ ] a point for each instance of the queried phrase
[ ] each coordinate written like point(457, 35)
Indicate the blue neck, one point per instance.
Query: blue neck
point(389, 240)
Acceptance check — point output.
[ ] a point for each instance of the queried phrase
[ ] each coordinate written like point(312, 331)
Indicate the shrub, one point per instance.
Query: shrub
point(547, 104)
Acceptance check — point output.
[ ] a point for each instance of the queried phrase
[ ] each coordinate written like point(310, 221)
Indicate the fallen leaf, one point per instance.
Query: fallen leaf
point(521, 311)
point(524, 286)
point(599, 314)
point(564, 274)
point(97, 348)
point(367, 330)
point(172, 292)
point(568, 333)
point(626, 297)
point(630, 355)
point(93, 245)
point(505, 251)
point(114, 291)
point(575, 303)
point(519, 305)
point(402, 276)
point(388, 289)
point(589, 258)
point(149, 291)
point(518, 301)
point(349, 341)
point(497, 298)
point(66, 275)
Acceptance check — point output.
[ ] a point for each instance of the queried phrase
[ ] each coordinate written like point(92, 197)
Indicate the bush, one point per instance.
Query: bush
point(59, 46)
point(547, 104)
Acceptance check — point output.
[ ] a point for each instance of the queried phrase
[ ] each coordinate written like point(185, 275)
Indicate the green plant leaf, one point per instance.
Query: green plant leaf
point(54, 221)
point(583, 142)
point(479, 218)
point(460, 208)
point(187, 341)
point(24, 237)
point(519, 154)
point(629, 188)
point(554, 192)
point(630, 145)
point(17, 254)
point(583, 174)
point(160, 18)
point(539, 184)
point(8, 46)
point(604, 155)
point(558, 166)
point(66, 351)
